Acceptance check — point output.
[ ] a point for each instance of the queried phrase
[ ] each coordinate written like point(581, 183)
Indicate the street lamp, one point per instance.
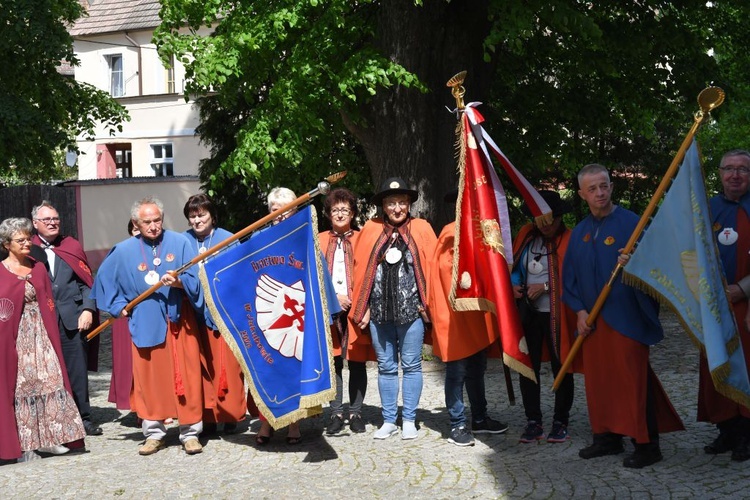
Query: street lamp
point(70, 158)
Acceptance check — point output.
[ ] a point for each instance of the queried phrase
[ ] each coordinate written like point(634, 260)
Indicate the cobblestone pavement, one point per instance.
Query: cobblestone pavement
point(355, 465)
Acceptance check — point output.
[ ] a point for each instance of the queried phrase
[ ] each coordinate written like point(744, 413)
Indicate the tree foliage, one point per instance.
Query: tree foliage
point(42, 111)
point(296, 89)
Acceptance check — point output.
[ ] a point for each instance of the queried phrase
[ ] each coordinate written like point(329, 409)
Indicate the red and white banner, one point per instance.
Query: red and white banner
point(483, 252)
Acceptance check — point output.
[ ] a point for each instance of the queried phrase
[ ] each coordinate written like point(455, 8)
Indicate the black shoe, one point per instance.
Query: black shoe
point(230, 428)
point(643, 457)
point(722, 444)
point(741, 450)
point(461, 437)
point(356, 424)
point(335, 425)
point(488, 426)
point(92, 429)
point(602, 447)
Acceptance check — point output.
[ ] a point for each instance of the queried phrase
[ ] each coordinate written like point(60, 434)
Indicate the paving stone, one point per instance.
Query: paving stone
point(357, 466)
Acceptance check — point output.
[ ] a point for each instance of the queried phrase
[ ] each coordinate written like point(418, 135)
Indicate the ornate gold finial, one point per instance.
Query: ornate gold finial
point(457, 88)
point(709, 99)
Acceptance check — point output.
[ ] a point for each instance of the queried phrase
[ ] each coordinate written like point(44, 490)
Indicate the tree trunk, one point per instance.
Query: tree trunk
point(421, 146)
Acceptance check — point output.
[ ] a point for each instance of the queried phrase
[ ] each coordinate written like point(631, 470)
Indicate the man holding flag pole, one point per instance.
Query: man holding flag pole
point(688, 278)
point(731, 224)
point(623, 394)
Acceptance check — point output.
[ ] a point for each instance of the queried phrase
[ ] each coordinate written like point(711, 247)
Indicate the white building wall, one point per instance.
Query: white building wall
point(155, 116)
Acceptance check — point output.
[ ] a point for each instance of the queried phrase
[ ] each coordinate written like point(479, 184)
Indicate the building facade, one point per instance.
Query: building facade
point(116, 53)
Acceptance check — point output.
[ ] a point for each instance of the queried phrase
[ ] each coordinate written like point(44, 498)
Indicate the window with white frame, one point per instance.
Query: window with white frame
point(116, 78)
point(123, 154)
point(164, 76)
point(162, 159)
point(169, 76)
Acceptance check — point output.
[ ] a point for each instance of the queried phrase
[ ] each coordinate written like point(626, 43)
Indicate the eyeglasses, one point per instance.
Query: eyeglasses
point(49, 220)
point(21, 241)
point(392, 204)
point(342, 211)
point(735, 170)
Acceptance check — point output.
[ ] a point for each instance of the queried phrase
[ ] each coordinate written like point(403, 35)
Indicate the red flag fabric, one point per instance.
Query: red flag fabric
point(483, 253)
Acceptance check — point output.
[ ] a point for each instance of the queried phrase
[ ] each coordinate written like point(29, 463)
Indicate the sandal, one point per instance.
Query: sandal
point(293, 440)
point(262, 440)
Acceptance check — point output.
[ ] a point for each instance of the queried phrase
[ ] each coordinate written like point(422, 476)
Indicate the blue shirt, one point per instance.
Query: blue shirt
point(590, 258)
point(121, 278)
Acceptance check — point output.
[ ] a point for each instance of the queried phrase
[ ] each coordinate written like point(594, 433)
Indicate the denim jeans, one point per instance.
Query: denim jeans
point(468, 371)
point(391, 343)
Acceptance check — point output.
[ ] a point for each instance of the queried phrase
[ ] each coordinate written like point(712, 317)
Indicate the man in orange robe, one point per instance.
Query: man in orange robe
point(167, 380)
point(623, 394)
point(731, 216)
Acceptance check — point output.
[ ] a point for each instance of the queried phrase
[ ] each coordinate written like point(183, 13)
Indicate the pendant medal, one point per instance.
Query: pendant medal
point(393, 255)
point(156, 261)
point(201, 250)
point(728, 236)
point(151, 278)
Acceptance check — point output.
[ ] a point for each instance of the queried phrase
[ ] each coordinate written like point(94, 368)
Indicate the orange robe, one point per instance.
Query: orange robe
point(162, 390)
point(223, 381)
point(422, 242)
point(625, 413)
point(455, 335)
point(359, 351)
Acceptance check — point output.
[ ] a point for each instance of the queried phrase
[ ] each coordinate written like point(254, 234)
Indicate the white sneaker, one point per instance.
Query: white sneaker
point(409, 430)
point(387, 430)
point(55, 450)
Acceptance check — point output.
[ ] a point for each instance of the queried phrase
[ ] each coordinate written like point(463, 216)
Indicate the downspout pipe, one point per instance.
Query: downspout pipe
point(140, 63)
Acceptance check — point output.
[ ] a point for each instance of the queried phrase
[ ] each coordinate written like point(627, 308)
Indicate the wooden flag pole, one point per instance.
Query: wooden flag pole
point(323, 187)
point(709, 99)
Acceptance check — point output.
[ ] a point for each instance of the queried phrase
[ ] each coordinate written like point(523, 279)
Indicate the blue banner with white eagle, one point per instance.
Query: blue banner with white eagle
point(677, 262)
point(270, 298)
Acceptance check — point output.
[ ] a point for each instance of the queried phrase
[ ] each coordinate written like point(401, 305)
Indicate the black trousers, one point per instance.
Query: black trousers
point(536, 326)
point(357, 386)
point(75, 353)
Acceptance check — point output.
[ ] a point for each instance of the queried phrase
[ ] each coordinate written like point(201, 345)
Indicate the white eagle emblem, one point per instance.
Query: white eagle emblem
point(280, 312)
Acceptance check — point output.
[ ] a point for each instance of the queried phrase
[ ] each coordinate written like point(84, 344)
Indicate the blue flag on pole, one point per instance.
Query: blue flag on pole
point(270, 299)
point(677, 262)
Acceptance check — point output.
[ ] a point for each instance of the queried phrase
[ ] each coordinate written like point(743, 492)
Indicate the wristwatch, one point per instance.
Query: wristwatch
point(546, 286)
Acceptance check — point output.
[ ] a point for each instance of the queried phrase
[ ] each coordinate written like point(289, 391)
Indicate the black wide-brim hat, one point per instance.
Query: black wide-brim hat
point(451, 196)
point(558, 205)
point(391, 186)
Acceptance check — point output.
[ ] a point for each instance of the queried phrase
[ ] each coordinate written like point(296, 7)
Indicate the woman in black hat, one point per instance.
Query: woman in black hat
point(390, 298)
point(538, 288)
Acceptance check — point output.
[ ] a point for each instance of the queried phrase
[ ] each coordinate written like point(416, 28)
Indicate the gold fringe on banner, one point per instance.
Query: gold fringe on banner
point(718, 374)
point(461, 150)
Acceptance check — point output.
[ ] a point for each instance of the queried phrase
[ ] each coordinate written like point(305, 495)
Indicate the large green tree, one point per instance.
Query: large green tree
point(296, 89)
point(42, 111)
